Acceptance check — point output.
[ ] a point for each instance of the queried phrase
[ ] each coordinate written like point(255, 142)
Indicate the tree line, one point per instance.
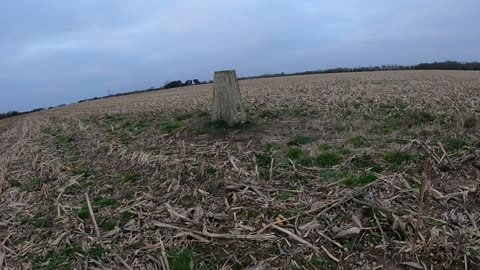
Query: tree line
point(447, 65)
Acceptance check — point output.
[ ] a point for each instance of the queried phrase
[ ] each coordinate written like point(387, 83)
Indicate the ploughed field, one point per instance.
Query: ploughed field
point(337, 171)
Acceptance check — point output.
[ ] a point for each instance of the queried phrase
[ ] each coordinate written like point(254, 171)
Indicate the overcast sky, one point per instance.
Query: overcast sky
point(54, 52)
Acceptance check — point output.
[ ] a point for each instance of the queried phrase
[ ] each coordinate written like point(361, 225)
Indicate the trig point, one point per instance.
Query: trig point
point(227, 100)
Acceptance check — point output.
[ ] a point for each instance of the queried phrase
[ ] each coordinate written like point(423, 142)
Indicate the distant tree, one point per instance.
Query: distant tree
point(9, 114)
point(196, 81)
point(449, 65)
point(37, 110)
point(173, 84)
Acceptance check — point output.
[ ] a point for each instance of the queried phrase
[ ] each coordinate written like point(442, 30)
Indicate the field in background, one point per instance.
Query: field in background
point(327, 174)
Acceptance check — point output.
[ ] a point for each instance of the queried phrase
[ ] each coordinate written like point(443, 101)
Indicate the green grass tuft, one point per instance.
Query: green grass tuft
point(361, 180)
point(137, 127)
point(263, 160)
point(454, 144)
point(470, 122)
point(103, 202)
point(129, 177)
point(97, 203)
point(169, 127)
point(211, 170)
point(39, 221)
point(322, 263)
point(290, 212)
point(83, 213)
point(357, 141)
point(221, 128)
point(324, 147)
point(96, 252)
point(126, 216)
point(108, 226)
point(298, 155)
point(366, 161)
point(61, 259)
point(397, 157)
point(32, 185)
point(217, 124)
point(270, 147)
point(87, 172)
point(328, 159)
point(180, 259)
point(215, 187)
point(284, 195)
point(300, 139)
point(181, 117)
point(295, 153)
point(418, 117)
point(332, 175)
point(111, 119)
